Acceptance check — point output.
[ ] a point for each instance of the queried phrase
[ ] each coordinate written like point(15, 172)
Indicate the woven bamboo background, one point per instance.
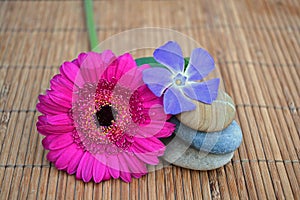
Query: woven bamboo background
point(256, 45)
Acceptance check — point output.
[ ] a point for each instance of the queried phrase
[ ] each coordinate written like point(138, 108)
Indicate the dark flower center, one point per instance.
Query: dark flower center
point(106, 115)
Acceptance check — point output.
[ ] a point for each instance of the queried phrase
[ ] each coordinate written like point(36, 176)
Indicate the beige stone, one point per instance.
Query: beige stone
point(210, 117)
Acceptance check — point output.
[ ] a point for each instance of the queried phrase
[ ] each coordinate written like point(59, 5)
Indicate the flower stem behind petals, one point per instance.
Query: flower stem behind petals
point(89, 13)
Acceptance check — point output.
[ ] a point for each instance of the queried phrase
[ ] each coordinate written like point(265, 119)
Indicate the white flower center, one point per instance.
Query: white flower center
point(179, 79)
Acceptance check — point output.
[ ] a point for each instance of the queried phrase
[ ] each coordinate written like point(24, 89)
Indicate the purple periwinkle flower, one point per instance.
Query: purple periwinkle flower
point(179, 85)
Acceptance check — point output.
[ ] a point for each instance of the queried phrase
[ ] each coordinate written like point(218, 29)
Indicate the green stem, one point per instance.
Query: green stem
point(153, 63)
point(89, 14)
point(145, 60)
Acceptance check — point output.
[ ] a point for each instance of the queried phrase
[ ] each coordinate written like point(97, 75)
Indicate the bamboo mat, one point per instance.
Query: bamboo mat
point(256, 45)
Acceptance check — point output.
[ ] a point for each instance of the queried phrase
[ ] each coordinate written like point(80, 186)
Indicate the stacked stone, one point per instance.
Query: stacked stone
point(206, 137)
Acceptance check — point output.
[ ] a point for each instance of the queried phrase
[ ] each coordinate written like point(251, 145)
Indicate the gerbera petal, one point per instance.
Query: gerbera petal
point(157, 79)
point(52, 156)
point(120, 67)
point(170, 55)
point(90, 59)
point(85, 167)
point(125, 64)
point(81, 165)
point(107, 57)
point(123, 163)
point(132, 79)
point(156, 113)
point(48, 107)
point(152, 145)
point(145, 156)
point(80, 59)
point(176, 102)
point(64, 159)
point(60, 98)
point(135, 165)
point(58, 86)
point(200, 65)
point(46, 110)
point(124, 171)
point(125, 176)
point(150, 129)
point(47, 101)
point(138, 175)
point(149, 159)
point(113, 166)
point(166, 131)
point(99, 169)
point(54, 142)
point(75, 61)
point(64, 82)
point(107, 175)
point(60, 119)
point(87, 173)
point(86, 69)
point(56, 130)
point(148, 96)
point(73, 164)
point(92, 65)
point(69, 70)
point(205, 92)
point(109, 72)
point(155, 101)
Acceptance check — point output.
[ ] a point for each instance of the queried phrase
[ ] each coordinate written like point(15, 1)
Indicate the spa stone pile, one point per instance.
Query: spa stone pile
point(205, 138)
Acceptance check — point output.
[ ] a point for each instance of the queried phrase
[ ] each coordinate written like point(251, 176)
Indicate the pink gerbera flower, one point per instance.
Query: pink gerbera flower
point(100, 120)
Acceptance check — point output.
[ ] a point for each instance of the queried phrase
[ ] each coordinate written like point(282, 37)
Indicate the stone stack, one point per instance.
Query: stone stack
point(206, 137)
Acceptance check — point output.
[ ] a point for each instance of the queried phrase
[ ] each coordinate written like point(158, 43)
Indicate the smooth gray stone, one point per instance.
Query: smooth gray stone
point(178, 153)
point(221, 142)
